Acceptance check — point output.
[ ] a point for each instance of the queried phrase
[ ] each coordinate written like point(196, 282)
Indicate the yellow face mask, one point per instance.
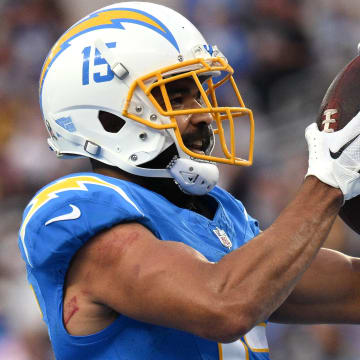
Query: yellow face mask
point(225, 117)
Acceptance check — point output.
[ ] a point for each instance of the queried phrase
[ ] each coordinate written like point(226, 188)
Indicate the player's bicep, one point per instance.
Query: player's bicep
point(138, 275)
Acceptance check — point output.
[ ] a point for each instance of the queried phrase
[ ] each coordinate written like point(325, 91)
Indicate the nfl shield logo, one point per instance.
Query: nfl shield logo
point(224, 239)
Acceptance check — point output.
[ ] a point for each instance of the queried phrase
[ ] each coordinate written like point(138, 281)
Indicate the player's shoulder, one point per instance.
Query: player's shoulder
point(74, 207)
point(81, 187)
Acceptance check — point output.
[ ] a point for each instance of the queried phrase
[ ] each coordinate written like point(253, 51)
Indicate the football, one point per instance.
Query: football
point(340, 104)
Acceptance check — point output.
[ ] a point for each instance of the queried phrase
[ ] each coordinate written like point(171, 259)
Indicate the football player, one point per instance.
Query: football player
point(145, 257)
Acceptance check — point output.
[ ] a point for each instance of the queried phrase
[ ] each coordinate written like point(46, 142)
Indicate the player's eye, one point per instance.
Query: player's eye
point(177, 100)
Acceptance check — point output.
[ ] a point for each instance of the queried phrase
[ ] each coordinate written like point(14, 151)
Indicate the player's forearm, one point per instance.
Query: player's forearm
point(259, 276)
point(328, 292)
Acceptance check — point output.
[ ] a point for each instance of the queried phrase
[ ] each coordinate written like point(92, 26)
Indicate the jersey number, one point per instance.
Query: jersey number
point(100, 68)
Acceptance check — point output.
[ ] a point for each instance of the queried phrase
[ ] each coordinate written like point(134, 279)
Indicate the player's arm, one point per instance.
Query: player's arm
point(329, 292)
point(167, 283)
point(130, 271)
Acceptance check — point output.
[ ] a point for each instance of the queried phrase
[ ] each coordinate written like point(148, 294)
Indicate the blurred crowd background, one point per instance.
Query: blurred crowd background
point(285, 53)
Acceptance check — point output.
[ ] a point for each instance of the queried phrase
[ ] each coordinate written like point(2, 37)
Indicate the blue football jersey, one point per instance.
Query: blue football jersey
point(67, 213)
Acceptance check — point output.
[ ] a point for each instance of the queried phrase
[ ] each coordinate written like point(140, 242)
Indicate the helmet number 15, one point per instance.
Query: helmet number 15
point(100, 73)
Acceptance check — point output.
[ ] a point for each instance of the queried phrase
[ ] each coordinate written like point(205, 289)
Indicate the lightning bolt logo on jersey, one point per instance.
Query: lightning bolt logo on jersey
point(53, 191)
point(53, 231)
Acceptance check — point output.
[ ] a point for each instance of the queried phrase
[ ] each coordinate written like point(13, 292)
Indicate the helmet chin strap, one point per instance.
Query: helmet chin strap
point(194, 177)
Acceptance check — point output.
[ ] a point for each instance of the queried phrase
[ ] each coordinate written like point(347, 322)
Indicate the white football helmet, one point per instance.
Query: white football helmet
point(110, 62)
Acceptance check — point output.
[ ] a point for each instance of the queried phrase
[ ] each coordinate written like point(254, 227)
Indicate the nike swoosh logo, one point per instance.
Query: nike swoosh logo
point(336, 155)
point(75, 214)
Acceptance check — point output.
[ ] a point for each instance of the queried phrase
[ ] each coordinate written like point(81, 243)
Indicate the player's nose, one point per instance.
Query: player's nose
point(198, 118)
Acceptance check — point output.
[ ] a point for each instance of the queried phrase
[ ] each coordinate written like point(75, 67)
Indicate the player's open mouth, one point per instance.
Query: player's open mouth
point(197, 147)
point(199, 141)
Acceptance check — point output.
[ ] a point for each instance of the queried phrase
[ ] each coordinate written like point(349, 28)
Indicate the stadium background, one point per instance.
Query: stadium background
point(285, 52)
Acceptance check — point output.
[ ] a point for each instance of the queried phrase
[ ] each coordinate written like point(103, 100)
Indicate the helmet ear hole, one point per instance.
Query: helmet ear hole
point(110, 122)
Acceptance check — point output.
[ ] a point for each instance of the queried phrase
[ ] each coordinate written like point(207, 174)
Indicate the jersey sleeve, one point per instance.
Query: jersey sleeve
point(63, 225)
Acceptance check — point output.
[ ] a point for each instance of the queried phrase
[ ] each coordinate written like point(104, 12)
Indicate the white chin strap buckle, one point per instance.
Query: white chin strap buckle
point(194, 177)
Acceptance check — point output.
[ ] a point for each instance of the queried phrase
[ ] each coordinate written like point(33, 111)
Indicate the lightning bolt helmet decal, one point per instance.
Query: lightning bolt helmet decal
point(108, 18)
